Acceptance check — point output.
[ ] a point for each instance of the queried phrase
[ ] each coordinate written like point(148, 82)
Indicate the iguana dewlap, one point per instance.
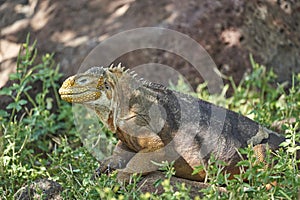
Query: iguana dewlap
point(154, 123)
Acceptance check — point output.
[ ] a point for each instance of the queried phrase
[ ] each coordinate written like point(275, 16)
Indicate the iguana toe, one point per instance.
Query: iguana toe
point(109, 165)
point(123, 177)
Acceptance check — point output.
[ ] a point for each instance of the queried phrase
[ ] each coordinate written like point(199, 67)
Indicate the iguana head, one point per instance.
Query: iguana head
point(93, 86)
point(85, 87)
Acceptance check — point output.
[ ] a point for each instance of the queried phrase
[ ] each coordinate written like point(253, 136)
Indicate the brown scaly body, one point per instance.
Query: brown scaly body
point(154, 123)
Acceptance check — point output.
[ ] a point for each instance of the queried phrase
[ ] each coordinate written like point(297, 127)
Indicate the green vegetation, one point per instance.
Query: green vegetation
point(38, 139)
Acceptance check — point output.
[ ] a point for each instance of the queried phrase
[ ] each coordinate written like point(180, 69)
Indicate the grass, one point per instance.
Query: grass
point(38, 139)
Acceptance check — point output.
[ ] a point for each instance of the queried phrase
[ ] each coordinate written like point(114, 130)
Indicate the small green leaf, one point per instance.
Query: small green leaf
point(293, 149)
point(198, 169)
point(22, 102)
point(14, 105)
point(49, 104)
point(27, 88)
point(6, 91)
point(15, 86)
point(14, 76)
point(157, 182)
point(3, 114)
point(243, 163)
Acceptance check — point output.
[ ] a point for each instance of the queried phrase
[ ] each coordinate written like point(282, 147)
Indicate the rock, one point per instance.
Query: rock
point(40, 189)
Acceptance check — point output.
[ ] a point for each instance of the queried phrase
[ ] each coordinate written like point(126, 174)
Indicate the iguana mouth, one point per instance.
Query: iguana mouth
point(78, 96)
point(71, 92)
point(68, 91)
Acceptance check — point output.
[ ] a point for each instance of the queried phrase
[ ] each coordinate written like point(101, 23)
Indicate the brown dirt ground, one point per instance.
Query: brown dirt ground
point(228, 30)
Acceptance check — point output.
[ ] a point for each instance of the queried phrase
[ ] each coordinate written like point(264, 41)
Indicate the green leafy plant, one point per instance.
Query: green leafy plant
point(30, 124)
point(38, 139)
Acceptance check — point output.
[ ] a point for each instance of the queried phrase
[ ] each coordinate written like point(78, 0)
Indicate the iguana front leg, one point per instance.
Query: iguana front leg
point(141, 163)
point(120, 157)
point(143, 140)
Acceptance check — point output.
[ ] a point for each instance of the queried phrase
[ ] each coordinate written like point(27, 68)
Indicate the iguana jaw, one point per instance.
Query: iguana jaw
point(78, 97)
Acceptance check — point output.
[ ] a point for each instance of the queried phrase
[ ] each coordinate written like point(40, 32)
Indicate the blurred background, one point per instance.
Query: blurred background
point(229, 30)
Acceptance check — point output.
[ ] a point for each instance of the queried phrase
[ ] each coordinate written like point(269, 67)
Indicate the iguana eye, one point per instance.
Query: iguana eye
point(82, 80)
point(106, 85)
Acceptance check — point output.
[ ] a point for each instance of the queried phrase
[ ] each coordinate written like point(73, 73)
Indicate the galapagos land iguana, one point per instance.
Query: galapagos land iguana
point(154, 123)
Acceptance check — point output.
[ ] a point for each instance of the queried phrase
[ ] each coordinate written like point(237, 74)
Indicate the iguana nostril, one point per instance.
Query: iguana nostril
point(68, 83)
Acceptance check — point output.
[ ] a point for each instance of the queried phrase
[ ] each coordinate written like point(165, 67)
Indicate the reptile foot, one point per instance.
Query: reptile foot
point(101, 170)
point(123, 177)
point(108, 165)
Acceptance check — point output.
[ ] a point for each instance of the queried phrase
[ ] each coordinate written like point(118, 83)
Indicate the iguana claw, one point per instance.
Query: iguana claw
point(108, 165)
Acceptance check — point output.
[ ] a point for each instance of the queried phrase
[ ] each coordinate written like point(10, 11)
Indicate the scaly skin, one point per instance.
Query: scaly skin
point(154, 123)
